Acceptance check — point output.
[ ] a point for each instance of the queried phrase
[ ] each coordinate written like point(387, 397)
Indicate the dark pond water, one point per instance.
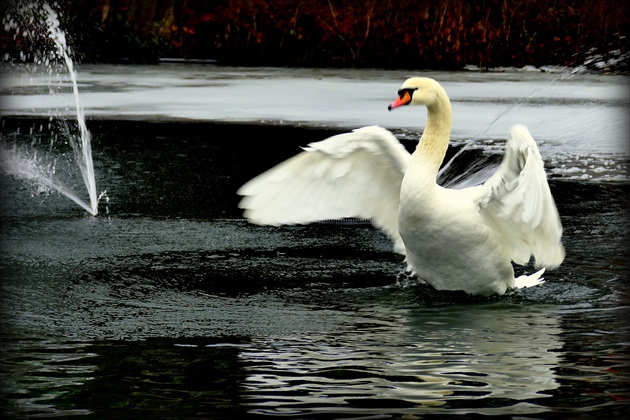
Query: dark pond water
point(169, 305)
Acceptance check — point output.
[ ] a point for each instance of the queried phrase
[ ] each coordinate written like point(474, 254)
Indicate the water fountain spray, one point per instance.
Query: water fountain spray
point(24, 167)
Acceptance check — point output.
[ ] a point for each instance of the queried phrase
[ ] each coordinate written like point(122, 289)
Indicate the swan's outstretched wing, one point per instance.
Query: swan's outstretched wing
point(356, 174)
point(517, 202)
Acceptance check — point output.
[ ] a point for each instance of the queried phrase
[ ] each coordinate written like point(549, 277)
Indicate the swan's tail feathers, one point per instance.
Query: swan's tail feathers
point(531, 280)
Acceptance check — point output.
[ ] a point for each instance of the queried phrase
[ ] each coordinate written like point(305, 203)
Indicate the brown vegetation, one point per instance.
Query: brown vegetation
point(386, 33)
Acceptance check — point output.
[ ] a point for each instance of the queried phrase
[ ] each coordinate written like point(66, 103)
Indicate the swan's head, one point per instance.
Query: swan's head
point(418, 91)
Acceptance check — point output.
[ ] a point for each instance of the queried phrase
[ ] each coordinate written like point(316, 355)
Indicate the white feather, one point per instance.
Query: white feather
point(356, 174)
point(517, 201)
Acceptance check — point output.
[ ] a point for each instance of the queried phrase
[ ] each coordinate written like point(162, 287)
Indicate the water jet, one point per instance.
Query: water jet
point(25, 162)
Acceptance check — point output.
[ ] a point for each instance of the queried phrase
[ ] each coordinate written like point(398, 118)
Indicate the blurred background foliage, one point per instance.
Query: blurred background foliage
point(420, 34)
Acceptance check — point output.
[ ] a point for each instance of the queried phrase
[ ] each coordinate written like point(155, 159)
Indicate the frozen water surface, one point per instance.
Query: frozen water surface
point(570, 115)
point(565, 110)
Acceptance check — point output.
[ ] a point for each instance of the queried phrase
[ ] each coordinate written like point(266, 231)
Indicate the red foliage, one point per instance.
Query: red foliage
point(403, 33)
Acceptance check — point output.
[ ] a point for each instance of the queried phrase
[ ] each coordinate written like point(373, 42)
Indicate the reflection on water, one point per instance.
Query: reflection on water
point(489, 359)
point(173, 307)
point(428, 360)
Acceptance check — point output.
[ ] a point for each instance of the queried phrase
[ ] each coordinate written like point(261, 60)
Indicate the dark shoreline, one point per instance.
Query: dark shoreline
point(403, 34)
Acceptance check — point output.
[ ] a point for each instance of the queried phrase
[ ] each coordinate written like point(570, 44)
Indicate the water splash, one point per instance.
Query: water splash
point(16, 161)
point(24, 165)
point(479, 169)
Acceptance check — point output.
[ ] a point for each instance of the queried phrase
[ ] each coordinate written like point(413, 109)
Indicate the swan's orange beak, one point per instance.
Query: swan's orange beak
point(403, 99)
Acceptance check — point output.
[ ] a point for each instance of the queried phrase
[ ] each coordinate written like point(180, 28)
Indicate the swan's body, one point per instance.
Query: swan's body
point(453, 239)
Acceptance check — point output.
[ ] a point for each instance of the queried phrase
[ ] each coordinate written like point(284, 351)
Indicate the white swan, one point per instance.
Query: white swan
point(453, 239)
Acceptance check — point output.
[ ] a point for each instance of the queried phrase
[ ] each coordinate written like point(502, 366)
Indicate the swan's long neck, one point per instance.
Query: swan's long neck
point(434, 141)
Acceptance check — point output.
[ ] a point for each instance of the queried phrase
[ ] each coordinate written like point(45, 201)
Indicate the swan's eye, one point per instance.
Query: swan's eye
point(402, 92)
